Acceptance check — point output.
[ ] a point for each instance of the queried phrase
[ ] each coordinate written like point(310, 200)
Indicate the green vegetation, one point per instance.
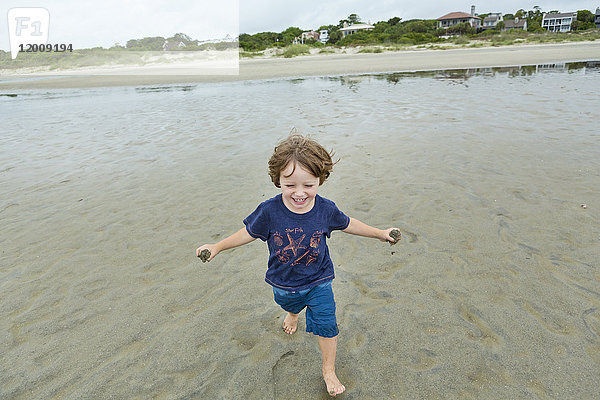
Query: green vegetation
point(135, 52)
point(391, 35)
point(295, 50)
point(395, 32)
point(67, 60)
point(250, 54)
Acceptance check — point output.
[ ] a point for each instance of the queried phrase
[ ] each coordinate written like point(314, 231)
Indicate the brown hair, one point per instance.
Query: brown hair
point(305, 151)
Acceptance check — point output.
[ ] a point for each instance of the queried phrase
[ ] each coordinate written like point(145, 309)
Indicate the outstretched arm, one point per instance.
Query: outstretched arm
point(239, 238)
point(356, 227)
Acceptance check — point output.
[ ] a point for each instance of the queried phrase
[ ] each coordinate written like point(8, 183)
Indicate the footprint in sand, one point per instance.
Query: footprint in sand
point(486, 336)
point(550, 322)
point(285, 375)
point(425, 360)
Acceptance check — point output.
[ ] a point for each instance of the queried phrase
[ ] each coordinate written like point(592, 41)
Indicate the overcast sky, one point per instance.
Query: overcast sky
point(89, 23)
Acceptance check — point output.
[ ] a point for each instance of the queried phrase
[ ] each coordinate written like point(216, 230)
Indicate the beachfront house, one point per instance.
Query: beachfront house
point(349, 30)
point(455, 18)
point(491, 21)
point(323, 35)
point(306, 36)
point(597, 17)
point(517, 23)
point(310, 35)
point(558, 22)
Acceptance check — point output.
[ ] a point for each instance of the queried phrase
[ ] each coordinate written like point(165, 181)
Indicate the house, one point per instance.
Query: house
point(305, 36)
point(349, 30)
point(491, 21)
point(597, 17)
point(516, 23)
point(455, 18)
point(558, 22)
point(324, 36)
point(309, 35)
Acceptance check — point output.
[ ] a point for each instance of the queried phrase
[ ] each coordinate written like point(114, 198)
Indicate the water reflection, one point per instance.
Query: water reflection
point(462, 75)
point(174, 88)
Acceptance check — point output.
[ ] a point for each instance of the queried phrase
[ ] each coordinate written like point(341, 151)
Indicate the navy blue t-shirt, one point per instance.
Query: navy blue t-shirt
point(298, 254)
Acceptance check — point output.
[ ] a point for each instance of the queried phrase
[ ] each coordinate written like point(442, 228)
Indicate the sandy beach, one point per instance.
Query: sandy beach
point(492, 175)
point(317, 65)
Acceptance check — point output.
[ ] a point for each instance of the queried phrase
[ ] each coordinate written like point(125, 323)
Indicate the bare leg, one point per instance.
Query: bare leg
point(290, 323)
point(328, 349)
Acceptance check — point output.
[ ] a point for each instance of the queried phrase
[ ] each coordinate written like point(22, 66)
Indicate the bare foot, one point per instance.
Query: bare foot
point(290, 323)
point(334, 386)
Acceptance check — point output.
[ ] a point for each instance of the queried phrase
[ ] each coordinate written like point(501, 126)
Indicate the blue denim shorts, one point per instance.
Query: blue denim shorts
point(320, 307)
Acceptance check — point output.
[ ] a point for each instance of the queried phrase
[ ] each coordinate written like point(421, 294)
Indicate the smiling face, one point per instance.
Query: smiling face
point(299, 188)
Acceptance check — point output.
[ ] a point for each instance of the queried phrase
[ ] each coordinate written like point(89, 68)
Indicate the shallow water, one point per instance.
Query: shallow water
point(495, 288)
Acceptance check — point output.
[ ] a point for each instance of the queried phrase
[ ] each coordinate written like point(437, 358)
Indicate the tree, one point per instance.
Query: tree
point(334, 35)
point(461, 29)
point(500, 26)
point(585, 20)
point(146, 44)
point(534, 26)
point(353, 19)
point(394, 21)
point(290, 33)
point(181, 37)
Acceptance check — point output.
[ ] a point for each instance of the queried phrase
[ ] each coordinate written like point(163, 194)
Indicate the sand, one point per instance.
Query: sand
point(319, 65)
point(493, 291)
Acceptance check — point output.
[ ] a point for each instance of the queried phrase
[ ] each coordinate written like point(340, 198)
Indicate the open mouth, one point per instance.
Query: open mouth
point(299, 201)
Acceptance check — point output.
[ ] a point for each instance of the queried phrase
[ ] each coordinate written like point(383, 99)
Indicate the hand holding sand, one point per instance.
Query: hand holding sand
point(206, 252)
point(393, 236)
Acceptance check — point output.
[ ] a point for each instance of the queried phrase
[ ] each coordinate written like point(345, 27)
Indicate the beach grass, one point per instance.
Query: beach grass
point(66, 60)
point(371, 50)
point(95, 57)
point(295, 50)
point(250, 54)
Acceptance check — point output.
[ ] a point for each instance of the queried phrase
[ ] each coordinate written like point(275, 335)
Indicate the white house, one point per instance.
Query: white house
point(492, 20)
point(597, 20)
point(324, 36)
point(349, 30)
point(558, 22)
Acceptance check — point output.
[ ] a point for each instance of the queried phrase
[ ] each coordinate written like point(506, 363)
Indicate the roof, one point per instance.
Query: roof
point(457, 15)
point(492, 18)
point(510, 23)
point(560, 15)
point(357, 26)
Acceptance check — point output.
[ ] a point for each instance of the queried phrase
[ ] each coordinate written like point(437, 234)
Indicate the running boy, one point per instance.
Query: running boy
point(295, 225)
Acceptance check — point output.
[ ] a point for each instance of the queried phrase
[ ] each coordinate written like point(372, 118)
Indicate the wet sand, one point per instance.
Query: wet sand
point(320, 65)
point(493, 292)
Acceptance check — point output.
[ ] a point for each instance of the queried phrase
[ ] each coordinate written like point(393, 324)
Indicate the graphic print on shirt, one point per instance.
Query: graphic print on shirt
point(295, 250)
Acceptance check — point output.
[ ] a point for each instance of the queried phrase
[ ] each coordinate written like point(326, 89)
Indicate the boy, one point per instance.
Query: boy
point(295, 225)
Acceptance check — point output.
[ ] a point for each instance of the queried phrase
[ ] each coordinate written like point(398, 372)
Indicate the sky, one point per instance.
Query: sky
point(90, 23)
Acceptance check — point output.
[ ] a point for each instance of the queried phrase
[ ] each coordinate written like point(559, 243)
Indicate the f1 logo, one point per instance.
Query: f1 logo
point(27, 25)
